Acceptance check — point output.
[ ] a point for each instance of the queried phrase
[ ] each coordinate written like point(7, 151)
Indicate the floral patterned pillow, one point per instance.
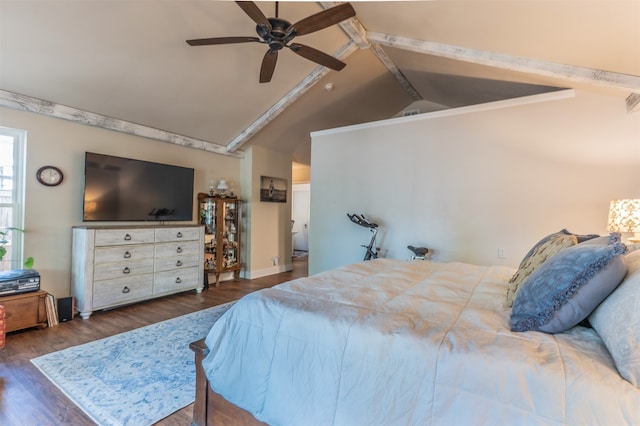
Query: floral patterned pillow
point(540, 254)
point(569, 286)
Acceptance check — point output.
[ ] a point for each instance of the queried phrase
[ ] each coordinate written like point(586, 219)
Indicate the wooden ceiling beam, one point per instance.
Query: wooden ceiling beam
point(354, 29)
point(282, 104)
point(26, 103)
point(561, 72)
point(633, 102)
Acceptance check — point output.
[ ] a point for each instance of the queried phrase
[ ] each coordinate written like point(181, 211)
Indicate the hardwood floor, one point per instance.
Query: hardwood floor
point(28, 398)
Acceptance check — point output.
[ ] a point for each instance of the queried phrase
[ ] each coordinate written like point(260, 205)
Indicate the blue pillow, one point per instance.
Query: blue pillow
point(568, 287)
point(580, 238)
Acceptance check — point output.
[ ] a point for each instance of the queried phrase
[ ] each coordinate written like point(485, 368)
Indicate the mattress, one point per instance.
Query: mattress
point(408, 342)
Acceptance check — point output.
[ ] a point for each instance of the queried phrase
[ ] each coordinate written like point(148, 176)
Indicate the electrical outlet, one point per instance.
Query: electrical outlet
point(501, 253)
point(276, 260)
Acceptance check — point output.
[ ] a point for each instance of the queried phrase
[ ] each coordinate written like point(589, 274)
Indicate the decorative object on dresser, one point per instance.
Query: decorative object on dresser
point(221, 219)
point(113, 266)
point(222, 188)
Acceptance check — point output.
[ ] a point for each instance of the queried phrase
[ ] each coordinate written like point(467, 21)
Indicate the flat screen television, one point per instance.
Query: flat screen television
point(124, 189)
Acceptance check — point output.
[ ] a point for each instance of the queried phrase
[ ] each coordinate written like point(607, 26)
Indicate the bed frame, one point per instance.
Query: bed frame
point(210, 408)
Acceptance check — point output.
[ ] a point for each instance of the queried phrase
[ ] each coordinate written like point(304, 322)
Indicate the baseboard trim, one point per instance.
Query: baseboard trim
point(250, 275)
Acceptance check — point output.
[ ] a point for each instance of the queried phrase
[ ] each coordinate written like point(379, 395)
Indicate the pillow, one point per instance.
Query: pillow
point(617, 321)
point(632, 247)
point(567, 288)
point(580, 238)
point(541, 253)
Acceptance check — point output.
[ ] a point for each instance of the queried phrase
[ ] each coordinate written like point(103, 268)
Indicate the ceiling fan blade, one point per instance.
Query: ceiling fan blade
point(268, 65)
point(254, 13)
point(317, 56)
point(323, 19)
point(221, 40)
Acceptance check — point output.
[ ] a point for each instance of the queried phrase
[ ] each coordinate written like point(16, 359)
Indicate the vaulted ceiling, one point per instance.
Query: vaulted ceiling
point(125, 64)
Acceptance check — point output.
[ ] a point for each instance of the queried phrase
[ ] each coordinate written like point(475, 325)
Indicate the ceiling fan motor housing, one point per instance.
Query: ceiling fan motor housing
point(278, 36)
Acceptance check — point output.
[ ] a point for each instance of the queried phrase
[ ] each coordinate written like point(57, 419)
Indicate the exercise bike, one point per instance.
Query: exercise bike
point(359, 219)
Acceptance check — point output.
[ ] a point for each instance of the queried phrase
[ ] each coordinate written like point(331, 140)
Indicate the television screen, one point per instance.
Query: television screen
point(124, 189)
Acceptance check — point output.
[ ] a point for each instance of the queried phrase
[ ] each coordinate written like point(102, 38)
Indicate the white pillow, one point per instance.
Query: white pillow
point(617, 321)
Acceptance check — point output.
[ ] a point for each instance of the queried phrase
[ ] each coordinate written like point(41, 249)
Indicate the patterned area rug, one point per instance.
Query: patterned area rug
point(134, 378)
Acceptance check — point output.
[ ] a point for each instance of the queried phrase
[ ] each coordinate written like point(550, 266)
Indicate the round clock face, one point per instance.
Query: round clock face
point(49, 175)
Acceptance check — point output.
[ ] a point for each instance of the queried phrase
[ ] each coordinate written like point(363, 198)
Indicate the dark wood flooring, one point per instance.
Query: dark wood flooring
point(28, 398)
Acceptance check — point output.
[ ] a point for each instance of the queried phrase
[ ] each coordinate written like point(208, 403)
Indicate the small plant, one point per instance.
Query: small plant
point(4, 232)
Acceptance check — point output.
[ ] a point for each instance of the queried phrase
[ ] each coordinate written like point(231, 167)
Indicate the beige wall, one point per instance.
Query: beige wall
point(267, 234)
point(51, 212)
point(469, 184)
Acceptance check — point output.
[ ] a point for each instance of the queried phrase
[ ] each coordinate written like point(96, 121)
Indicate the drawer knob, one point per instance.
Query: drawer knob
point(179, 235)
point(126, 270)
point(126, 289)
point(179, 263)
point(178, 280)
point(179, 250)
point(127, 255)
point(127, 237)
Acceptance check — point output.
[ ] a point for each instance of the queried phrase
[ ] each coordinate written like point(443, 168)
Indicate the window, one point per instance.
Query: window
point(12, 148)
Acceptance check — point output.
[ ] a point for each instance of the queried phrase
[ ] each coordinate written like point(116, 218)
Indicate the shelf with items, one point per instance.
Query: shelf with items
point(221, 219)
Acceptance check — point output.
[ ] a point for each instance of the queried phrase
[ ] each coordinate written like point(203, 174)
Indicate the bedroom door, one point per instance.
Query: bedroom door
point(300, 203)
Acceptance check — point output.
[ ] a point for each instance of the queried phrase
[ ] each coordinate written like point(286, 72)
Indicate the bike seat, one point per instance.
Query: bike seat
point(419, 251)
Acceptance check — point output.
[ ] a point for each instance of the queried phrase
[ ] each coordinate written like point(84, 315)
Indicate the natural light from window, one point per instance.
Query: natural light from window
point(11, 196)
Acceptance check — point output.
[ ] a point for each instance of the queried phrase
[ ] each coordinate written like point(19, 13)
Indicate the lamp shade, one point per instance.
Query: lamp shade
point(624, 216)
point(222, 185)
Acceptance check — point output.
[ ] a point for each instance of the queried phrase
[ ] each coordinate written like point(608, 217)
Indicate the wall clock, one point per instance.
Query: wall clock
point(49, 175)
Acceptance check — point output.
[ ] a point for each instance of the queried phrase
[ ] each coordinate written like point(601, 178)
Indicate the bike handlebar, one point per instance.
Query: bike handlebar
point(359, 219)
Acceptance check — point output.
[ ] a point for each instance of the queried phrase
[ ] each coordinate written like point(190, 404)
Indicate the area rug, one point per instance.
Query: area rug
point(134, 378)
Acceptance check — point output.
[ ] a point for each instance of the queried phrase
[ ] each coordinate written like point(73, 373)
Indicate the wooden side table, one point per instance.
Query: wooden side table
point(25, 310)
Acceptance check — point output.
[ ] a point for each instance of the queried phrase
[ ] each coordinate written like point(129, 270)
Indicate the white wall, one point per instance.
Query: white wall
point(51, 212)
point(469, 184)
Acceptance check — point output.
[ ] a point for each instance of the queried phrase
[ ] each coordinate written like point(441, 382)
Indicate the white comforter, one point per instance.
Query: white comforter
point(391, 342)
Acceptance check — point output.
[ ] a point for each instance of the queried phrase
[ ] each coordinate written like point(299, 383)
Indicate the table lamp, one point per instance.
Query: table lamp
point(624, 216)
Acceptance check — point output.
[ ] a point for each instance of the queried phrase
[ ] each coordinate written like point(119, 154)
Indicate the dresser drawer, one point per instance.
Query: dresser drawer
point(113, 237)
point(177, 234)
point(123, 290)
point(123, 253)
point(175, 262)
point(184, 248)
point(175, 280)
point(122, 269)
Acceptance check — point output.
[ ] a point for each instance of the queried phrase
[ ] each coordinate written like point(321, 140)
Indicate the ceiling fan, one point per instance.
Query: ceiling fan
point(278, 33)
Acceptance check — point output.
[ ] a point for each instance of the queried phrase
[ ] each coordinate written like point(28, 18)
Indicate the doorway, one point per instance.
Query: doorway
point(300, 206)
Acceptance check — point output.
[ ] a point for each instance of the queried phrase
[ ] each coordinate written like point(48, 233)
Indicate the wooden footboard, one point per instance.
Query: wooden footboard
point(210, 408)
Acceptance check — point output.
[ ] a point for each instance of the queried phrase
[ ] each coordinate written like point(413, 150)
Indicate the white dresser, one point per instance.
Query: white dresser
point(113, 266)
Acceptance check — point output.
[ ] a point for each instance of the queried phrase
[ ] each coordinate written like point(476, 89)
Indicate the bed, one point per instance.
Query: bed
point(419, 342)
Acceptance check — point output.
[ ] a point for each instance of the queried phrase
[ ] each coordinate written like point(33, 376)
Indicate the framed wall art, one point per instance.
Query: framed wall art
point(273, 189)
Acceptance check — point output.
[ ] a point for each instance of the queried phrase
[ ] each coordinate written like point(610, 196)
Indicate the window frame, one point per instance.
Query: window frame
point(16, 205)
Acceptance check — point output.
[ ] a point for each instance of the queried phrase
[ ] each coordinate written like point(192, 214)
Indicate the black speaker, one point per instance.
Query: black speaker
point(66, 308)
